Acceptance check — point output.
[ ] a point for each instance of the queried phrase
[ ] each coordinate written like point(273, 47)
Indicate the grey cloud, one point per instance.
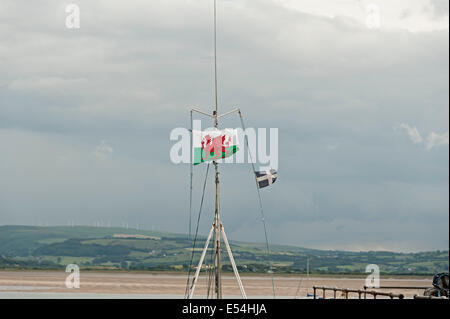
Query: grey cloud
point(135, 68)
point(439, 8)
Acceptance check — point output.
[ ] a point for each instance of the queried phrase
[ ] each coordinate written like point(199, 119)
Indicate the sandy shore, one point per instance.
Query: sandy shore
point(170, 285)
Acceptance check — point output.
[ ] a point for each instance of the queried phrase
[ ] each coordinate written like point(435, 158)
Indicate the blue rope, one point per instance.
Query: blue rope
point(436, 284)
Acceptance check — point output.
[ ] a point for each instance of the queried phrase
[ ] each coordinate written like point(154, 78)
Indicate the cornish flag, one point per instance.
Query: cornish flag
point(266, 178)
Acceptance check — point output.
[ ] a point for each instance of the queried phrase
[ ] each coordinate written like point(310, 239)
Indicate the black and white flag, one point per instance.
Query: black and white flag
point(266, 178)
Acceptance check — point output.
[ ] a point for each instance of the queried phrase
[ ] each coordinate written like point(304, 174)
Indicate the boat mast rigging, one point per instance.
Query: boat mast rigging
point(217, 227)
point(217, 224)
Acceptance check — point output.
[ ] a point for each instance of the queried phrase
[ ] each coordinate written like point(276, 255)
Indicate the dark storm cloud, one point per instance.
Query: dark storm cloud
point(85, 117)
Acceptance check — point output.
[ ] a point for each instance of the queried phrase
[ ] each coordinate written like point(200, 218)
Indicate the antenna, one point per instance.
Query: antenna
point(215, 58)
point(217, 227)
point(217, 224)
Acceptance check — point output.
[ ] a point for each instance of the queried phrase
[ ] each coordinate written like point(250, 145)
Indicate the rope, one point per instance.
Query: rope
point(441, 290)
point(191, 178)
point(263, 219)
point(298, 288)
point(210, 278)
point(196, 233)
point(301, 280)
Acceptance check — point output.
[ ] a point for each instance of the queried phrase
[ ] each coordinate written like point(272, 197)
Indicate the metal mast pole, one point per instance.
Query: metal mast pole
point(215, 57)
point(217, 231)
point(217, 223)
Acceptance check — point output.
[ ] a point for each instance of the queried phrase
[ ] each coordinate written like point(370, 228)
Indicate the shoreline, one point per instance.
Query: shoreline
point(266, 275)
point(99, 284)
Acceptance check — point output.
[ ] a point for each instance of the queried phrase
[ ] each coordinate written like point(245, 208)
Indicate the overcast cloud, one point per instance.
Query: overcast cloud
point(85, 116)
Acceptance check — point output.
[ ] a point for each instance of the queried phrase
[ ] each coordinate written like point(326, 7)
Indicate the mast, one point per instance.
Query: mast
point(217, 223)
point(217, 228)
point(215, 61)
point(217, 231)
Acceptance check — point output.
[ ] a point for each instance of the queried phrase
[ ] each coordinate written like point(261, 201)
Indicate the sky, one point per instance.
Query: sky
point(361, 107)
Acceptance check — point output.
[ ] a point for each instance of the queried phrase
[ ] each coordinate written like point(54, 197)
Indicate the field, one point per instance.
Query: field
point(101, 248)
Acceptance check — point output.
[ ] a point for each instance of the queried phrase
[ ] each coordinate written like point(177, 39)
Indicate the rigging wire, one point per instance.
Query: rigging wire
point(301, 279)
point(263, 219)
point(196, 233)
point(191, 178)
point(298, 288)
point(211, 272)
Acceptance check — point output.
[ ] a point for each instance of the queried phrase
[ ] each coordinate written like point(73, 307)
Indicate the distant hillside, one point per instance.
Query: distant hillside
point(28, 247)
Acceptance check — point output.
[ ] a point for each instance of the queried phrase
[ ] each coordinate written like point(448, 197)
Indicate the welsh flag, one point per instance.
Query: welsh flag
point(213, 145)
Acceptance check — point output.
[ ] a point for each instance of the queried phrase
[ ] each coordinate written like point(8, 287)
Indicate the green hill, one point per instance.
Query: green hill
point(29, 247)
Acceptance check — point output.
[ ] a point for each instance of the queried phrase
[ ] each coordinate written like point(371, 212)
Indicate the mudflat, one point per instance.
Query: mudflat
point(163, 284)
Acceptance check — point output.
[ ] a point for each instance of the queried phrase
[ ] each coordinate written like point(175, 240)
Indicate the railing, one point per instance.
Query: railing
point(398, 287)
point(361, 293)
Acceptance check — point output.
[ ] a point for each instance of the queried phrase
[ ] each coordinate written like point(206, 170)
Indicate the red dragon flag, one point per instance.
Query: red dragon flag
point(214, 145)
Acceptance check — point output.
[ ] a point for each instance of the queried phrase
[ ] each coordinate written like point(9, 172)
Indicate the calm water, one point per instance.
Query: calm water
point(51, 295)
point(27, 293)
